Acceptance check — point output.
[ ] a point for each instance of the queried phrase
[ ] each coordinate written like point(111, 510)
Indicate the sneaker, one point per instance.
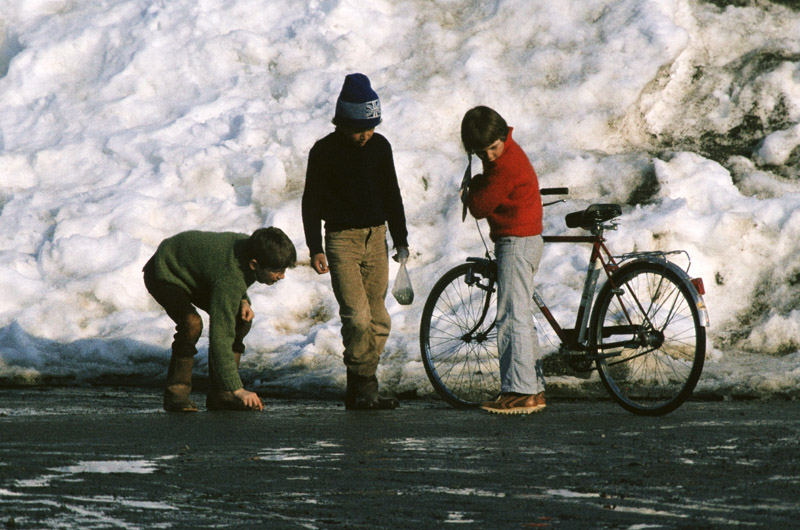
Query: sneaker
point(515, 404)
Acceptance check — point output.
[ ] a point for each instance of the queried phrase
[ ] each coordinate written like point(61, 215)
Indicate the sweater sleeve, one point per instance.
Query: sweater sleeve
point(393, 203)
point(225, 300)
point(311, 207)
point(487, 192)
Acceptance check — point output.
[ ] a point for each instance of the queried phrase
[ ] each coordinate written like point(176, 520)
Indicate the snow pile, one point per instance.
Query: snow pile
point(125, 121)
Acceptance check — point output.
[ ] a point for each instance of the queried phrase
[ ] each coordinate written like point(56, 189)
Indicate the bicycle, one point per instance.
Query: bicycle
point(644, 330)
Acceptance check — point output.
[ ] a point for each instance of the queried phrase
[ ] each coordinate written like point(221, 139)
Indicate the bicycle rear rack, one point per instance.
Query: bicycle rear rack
point(661, 255)
point(657, 254)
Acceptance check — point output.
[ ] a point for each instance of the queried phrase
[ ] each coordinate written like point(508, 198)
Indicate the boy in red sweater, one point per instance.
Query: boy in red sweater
point(507, 195)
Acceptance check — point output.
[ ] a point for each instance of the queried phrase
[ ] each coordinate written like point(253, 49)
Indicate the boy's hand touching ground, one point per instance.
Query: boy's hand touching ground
point(250, 399)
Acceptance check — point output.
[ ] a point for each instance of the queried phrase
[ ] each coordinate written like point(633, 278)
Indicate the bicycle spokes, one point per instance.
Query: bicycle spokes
point(459, 339)
point(649, 339)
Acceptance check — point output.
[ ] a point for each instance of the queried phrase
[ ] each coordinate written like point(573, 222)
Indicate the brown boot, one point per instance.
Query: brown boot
point(179, 385)
point(224, 400)
point(362, 394)
point(219, 399)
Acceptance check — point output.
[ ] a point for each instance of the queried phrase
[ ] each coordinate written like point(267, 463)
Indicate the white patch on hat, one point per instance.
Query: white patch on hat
point(373, 109)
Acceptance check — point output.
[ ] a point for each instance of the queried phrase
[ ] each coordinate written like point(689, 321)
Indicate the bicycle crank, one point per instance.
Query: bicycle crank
point(580, 362)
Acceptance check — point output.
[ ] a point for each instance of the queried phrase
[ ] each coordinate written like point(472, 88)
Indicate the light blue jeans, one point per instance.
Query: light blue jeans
point(520, 358)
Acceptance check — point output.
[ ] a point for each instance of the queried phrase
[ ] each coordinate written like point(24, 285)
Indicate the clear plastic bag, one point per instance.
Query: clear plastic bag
point(402, 291)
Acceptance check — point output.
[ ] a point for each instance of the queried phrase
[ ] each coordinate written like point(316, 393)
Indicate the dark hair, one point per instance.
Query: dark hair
point(272, 249)
point(346, 127)
point(481, 127)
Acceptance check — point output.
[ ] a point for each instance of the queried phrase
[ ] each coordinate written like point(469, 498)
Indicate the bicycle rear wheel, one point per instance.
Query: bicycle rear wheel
point(648, 332)
point(458, 338)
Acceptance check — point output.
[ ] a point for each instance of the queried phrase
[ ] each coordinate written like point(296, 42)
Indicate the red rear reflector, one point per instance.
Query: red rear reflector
point(698, 284)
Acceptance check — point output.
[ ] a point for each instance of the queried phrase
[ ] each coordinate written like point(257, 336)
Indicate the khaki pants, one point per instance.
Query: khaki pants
point(358, 260)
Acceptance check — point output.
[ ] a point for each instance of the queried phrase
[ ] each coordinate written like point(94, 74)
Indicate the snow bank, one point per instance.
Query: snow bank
point(125, 121)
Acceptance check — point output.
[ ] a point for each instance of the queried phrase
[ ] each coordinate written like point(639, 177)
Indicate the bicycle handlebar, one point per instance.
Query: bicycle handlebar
point(554, 191)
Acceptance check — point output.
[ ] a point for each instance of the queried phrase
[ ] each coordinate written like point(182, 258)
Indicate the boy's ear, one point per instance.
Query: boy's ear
point(253, 264)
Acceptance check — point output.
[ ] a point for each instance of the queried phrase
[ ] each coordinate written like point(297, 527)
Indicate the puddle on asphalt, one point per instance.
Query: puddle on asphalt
point(321, 450)
point(458, 518)
point(463, 491)
point(109, 466)
point(71, 472)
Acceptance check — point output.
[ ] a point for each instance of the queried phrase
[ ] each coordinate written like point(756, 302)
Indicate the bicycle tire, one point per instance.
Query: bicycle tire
point(458, 338)
point(649, 311)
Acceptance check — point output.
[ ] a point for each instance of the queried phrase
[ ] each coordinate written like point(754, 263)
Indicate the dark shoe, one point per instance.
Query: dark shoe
point(362, 394)
point(179, 385)
point(377, 403)
point(224, 400)
point(512, 403)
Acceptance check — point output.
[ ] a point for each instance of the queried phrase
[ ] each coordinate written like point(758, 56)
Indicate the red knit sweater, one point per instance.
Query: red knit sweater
point(507, 194)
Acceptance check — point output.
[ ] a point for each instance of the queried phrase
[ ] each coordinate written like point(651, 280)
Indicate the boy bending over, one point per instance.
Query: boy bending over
point(212, 270)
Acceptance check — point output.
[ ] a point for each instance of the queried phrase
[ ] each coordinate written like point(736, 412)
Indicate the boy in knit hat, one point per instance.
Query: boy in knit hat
point(351, 185)
point(507, 195)
point(212, 270)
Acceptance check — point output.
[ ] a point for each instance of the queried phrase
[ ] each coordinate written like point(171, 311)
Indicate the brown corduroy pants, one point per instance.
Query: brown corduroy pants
point(358, 261)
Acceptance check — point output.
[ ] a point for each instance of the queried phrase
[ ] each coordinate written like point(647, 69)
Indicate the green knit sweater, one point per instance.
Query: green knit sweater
point(212, 268)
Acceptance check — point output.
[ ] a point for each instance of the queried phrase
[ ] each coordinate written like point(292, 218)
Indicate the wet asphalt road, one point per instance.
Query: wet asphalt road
point(109, 458)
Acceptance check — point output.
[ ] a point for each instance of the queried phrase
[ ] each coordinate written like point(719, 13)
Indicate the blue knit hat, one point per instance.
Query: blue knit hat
point(358, 106)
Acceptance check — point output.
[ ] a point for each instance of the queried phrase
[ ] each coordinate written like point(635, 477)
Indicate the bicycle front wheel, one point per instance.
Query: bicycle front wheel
point(458, 337)
point(649, 337)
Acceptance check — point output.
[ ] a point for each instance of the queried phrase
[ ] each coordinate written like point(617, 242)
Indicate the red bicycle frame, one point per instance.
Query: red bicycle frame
point(601, 258)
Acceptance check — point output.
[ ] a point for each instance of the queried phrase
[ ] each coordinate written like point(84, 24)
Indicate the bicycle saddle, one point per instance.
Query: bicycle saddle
point(593, 216)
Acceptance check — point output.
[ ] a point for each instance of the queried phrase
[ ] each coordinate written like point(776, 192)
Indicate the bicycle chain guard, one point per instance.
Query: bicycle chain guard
point(580, 362)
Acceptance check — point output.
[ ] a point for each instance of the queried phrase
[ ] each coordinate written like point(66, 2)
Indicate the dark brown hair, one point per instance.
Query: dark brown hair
point(480, 127)
point(272, 249)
